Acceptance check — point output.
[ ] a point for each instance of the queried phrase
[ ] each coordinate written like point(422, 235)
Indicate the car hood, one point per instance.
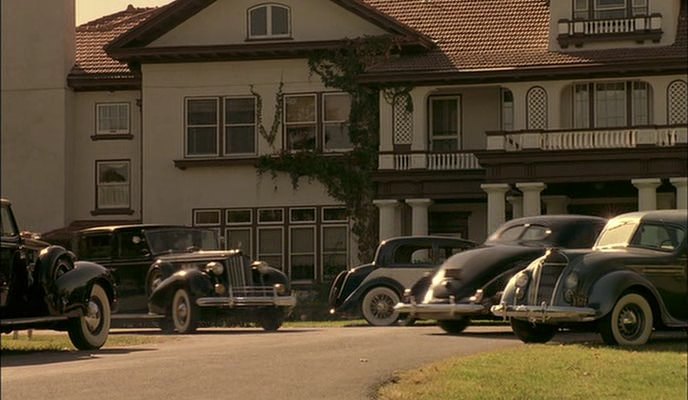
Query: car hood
point(476, 261)
point(198, 255)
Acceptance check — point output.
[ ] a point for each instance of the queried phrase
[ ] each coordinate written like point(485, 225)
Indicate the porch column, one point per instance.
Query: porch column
point(496, 205)
point(556, 204)
point(531, 197)
point(419, 215)
point(647, 193)
point(387, 218)
point(681, 185)
point(516, 206)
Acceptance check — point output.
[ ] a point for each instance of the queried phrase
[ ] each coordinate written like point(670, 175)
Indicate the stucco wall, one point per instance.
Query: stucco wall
point(224, 22)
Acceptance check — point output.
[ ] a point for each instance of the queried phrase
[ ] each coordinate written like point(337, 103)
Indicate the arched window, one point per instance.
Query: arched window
point(537, 108)
point(269, 21)
point(677, 102)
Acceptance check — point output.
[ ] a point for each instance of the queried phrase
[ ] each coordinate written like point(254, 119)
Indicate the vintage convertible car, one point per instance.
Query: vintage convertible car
point(469, 283)
point(374, 288)
point(177, 277)
point(633, 279)
point(42, 287)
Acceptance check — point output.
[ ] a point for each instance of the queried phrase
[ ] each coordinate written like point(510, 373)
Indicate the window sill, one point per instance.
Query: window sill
point(214, 162)
point(579, 39)
point(112, 211)
point(112, 136)
point(269, 39)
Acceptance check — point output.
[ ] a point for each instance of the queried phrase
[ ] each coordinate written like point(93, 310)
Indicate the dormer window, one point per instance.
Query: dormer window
point(608, 9)
point(268, 21)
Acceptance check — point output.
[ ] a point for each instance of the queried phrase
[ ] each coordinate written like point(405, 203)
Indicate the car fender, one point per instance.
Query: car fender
point(356, 296)
point(271, 275)
point(608, 288)
point(195, 281)
point(73, 288)
point(46, 262)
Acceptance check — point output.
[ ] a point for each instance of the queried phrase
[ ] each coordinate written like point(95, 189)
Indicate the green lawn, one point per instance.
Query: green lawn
point(60, 342)
point(551, 371)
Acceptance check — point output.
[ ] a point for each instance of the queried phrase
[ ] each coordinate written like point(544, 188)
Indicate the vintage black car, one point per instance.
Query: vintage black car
point(42, 287)
point(177, 277)
point(634, 279)
point(374, 288)
point(469, 283)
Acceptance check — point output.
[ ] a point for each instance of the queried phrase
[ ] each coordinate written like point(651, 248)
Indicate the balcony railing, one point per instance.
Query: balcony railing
point(421, 160)
point(638, 28)
point(588, 139)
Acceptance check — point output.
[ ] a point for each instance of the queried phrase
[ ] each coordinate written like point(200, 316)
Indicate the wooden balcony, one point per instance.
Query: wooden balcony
point(638, 28)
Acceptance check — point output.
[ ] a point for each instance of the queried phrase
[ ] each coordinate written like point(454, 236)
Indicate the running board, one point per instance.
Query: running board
point(32, 320)
point(150, 317)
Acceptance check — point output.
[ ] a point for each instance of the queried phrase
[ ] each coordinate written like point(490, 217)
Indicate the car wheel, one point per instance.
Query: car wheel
point(271, 320)
point(184, 312)
point(378, 306)
point(62, 265)
point(454, 326)
point(629, 323)
point(529, 332)
point(166, 325)
point(90, 331)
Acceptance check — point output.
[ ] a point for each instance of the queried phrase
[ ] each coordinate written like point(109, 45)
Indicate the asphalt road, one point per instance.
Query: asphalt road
point(328, 363)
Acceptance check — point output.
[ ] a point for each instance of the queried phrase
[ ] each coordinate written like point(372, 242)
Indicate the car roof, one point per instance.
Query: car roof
point(553, 219)
point(423, 238)
point(112, 228)
point(670, 216)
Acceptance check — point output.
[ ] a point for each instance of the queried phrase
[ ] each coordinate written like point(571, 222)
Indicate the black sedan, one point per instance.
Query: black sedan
point(469, 283)
point(632, 281)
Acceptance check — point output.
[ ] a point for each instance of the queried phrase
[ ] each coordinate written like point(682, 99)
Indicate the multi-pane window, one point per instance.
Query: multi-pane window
point(269, 21)
point(614, 104)
point(204, 116)
point(310, 244)
point(313, 122)
point(609, 9)
point(112, 118)
point(112, 184)
point(445, 124)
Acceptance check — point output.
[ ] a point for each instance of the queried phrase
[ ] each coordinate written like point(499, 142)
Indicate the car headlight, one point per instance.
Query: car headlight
point(571, 281)
point(280, 289)
point(215, 267)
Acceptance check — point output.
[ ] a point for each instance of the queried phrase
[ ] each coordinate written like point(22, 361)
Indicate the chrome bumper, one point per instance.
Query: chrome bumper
point(231, 302)
point(544, 313)
point(439, 311)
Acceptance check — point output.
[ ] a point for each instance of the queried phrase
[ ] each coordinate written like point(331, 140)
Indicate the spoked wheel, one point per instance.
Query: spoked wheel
point(629, 323)
point(90, 331)
point(378, 306)
point(184, 312)
point(532, 333)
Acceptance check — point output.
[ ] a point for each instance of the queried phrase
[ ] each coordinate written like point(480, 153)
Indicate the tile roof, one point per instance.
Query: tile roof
point(471, 35)
point(497, 35)
point(91, 38)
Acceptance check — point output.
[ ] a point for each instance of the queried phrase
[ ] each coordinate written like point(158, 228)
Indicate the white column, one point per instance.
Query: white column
point(531, 197)
point(647, 193)
point(556, 204)
point(681, 185)
point(419, 215)
point(387, 218)
point(496, 204)
point(516, 206)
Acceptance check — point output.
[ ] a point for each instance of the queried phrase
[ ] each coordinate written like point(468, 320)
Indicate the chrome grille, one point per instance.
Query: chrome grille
point(549, 274)
point(238, 272)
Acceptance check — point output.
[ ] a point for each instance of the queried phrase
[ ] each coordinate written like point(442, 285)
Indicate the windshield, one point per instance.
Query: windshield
point(617, 235)
point(174, 240)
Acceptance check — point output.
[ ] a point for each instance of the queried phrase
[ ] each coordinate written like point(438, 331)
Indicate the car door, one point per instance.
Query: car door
point(410, 261)
point(130, 262)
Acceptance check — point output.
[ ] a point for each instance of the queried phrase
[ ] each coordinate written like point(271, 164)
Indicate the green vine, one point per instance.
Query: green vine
point(347, 177)
point(277, 118)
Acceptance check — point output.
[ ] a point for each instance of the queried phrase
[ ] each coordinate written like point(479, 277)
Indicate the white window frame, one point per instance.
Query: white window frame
point(228, 125)
point(268, 22)
point(260, 222)
point(126, 185)
point(249, 251)
point(260, 255)
point(597, 115)
point(325, 123)
point(313, 253)
point(287, 141)
point(347, 251)
point(431, 128)
point(197, 212)
point(507, 110)
point(293, 221)
point(249, 222)
point(325, 221)
point(116, 131)
point(187, 126)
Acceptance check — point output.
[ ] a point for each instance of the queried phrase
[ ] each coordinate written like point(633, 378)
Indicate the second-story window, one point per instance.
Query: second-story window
point(611, 104)
point(268, 21)
point(608, 9)
point(317, 122)
point(112, 119)
point(445, 124)
point(204, 116)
